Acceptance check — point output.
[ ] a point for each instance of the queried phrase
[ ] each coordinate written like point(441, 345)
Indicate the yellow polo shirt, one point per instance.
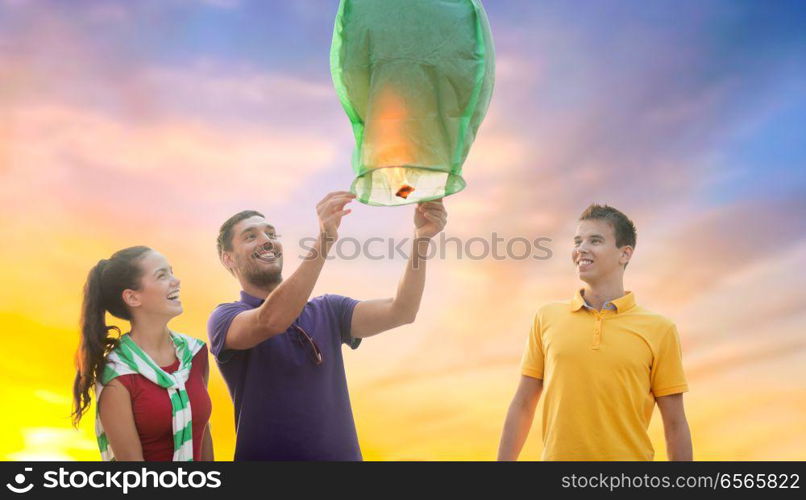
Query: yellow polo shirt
point(601, 372)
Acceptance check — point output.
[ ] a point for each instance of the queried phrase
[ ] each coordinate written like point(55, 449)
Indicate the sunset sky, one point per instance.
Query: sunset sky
point(151, 122)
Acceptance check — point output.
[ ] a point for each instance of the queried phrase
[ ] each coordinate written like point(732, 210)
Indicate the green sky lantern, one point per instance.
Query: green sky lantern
point(415, 78)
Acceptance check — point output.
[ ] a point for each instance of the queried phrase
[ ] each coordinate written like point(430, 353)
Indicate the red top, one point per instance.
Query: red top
point(153, 415)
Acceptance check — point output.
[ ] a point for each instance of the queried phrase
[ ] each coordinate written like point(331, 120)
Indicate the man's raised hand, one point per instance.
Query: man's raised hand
point(330, 211)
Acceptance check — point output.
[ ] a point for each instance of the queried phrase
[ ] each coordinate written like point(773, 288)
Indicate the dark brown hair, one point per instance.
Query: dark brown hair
point(623, 227)
point(103, 292)
point(224, 241)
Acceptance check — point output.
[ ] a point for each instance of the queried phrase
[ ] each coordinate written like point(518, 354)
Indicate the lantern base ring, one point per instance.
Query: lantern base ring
point(402, 185)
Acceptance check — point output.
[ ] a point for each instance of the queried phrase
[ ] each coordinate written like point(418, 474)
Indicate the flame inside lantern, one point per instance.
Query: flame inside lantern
point(389, 149)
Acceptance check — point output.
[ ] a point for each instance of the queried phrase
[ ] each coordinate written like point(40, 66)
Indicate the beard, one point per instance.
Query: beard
point(261, 278)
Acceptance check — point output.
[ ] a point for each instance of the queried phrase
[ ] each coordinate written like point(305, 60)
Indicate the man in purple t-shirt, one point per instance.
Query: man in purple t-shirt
point(280, 353)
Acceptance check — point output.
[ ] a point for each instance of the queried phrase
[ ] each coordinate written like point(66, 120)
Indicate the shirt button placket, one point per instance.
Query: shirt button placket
point(597, 332)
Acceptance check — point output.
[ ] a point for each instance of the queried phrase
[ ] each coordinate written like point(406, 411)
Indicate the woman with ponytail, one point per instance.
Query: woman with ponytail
point(151, 383)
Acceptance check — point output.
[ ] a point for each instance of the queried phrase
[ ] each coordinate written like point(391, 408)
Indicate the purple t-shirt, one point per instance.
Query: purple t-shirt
point(286, 406)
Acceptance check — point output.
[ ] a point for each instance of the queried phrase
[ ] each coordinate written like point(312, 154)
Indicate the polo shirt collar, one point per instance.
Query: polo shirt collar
point(622, 303)
point(577, 302)
point(250, 300)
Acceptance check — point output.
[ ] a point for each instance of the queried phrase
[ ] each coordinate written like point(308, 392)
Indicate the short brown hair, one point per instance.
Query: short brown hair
point(623, 227)
point(224, 241)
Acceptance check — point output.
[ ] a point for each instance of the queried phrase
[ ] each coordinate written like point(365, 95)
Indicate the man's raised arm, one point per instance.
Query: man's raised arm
point(285, 303)
point(371, 317)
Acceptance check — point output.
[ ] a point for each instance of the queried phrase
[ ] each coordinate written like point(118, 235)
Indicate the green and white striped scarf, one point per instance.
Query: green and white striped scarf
point(127, 359)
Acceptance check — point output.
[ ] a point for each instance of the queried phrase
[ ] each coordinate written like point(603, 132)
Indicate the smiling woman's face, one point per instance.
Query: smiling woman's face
point(159, 288)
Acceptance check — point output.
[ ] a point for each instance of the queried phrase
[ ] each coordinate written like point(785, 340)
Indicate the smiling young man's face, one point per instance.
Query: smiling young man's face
point(595, 253)
point(257, 254)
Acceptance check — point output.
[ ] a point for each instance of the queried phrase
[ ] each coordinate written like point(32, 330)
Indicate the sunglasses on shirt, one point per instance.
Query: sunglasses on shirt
point(305, 338)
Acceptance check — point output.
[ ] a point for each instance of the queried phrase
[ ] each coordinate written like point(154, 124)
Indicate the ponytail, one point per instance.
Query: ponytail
point(102, 292)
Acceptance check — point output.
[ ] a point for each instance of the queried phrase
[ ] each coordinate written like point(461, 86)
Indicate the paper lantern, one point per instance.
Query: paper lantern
point(415, 78)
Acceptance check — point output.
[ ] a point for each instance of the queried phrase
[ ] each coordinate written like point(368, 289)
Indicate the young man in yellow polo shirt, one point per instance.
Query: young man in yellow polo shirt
point(600, 361)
